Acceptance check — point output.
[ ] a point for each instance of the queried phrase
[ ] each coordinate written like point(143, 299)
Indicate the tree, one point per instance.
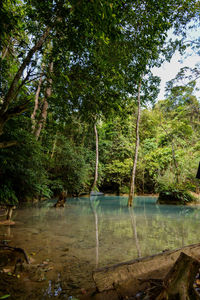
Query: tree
point(131, 192)
point(60, 22)
point(148, 57)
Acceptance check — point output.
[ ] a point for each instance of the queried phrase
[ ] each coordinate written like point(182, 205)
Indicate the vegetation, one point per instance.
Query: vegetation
point(176, 195)
point(69, 67)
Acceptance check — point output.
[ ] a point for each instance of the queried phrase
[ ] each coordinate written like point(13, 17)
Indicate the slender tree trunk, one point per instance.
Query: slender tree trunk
point(33, 116)
point(143, 173)
point(14, 87)
point(11, 91)
point(175, 164)
point(97, 158)
point(43, 118)
point(54, 145)
point(43, 115)
point(9, 213)
point(132, 185)
point(176, 172)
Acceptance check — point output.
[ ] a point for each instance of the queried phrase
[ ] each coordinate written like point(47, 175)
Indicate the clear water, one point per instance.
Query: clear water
point(101, 231)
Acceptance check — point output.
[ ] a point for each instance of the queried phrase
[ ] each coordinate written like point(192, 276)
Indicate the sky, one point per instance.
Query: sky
point(170, 69)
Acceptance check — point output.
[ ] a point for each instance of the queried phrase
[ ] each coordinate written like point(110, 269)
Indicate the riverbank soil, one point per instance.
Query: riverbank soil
point(46, 280)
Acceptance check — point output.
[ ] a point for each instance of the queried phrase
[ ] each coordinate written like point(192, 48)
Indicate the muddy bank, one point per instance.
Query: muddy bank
point(45, 280)
point(77, 279)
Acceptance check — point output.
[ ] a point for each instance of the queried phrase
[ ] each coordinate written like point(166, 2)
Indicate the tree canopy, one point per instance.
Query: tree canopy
point(66, 65)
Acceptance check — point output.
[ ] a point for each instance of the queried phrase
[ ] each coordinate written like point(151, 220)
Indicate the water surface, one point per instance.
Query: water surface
point(100, 231)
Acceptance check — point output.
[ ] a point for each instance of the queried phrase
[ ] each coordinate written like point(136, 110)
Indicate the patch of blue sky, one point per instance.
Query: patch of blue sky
point(169, 70)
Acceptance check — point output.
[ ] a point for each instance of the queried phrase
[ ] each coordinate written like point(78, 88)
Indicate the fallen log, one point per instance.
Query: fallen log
point(129, 273)
point(179, 282)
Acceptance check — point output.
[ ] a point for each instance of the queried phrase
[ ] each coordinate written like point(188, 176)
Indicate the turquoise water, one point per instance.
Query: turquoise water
point(91, 233)
point(104, 230)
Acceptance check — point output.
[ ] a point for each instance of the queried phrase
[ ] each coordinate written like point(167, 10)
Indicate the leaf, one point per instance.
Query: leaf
point(5, 296)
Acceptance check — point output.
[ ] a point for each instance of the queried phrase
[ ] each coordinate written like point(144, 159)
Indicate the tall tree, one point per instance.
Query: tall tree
point(74, 28)
point(132, 185)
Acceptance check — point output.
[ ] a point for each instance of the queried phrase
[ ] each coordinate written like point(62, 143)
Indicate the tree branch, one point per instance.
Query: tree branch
point(17, 110)
point(11, 92)
point(7, 144)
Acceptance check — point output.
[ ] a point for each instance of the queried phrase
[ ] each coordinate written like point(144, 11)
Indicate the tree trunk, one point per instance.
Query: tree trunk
point(61, 199)
point(43, 115)
point(178, 283)
point(175, 164)
point(97, 159)
point(7, 144)
point(9, 213)
point(33, 116)
point(13, 87)
point(54, 145)
point(176, 172)
point(132, 185)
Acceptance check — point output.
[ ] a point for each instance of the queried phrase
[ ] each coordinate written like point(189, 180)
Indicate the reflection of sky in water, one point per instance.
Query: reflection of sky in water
point(102, 230)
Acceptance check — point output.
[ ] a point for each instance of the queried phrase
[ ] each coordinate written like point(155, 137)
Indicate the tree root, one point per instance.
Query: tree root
point(178, 284)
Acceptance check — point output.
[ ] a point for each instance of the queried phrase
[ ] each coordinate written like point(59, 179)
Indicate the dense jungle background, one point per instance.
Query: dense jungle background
point(70, 69)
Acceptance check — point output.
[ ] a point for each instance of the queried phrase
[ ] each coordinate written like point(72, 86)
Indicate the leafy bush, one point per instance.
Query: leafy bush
point(69, 169)
point(175, 195)
point(22, 175)
point(7, 194)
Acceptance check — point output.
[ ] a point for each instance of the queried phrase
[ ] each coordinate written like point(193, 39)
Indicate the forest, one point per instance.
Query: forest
point(80, 117)
point(78, 100)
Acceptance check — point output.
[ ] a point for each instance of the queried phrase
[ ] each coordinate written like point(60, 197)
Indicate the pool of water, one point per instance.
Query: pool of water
point(100, 231)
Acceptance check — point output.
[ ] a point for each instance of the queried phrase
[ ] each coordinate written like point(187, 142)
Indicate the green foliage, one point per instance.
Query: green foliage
point(175, 195)
point(23, 166)
point(100, 50)
point(5, 296)
point(69, 168)
point(7, 194)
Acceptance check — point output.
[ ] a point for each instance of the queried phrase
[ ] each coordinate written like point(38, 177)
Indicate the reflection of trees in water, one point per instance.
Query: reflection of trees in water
point(154, 227)
point(158, 227)
point(6, 232)
point(94, 204)
point(134, 228)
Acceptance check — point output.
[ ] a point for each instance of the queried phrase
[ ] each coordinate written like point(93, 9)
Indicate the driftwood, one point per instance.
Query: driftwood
point(61, 199)
point(128, 274)
point(7, 211)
